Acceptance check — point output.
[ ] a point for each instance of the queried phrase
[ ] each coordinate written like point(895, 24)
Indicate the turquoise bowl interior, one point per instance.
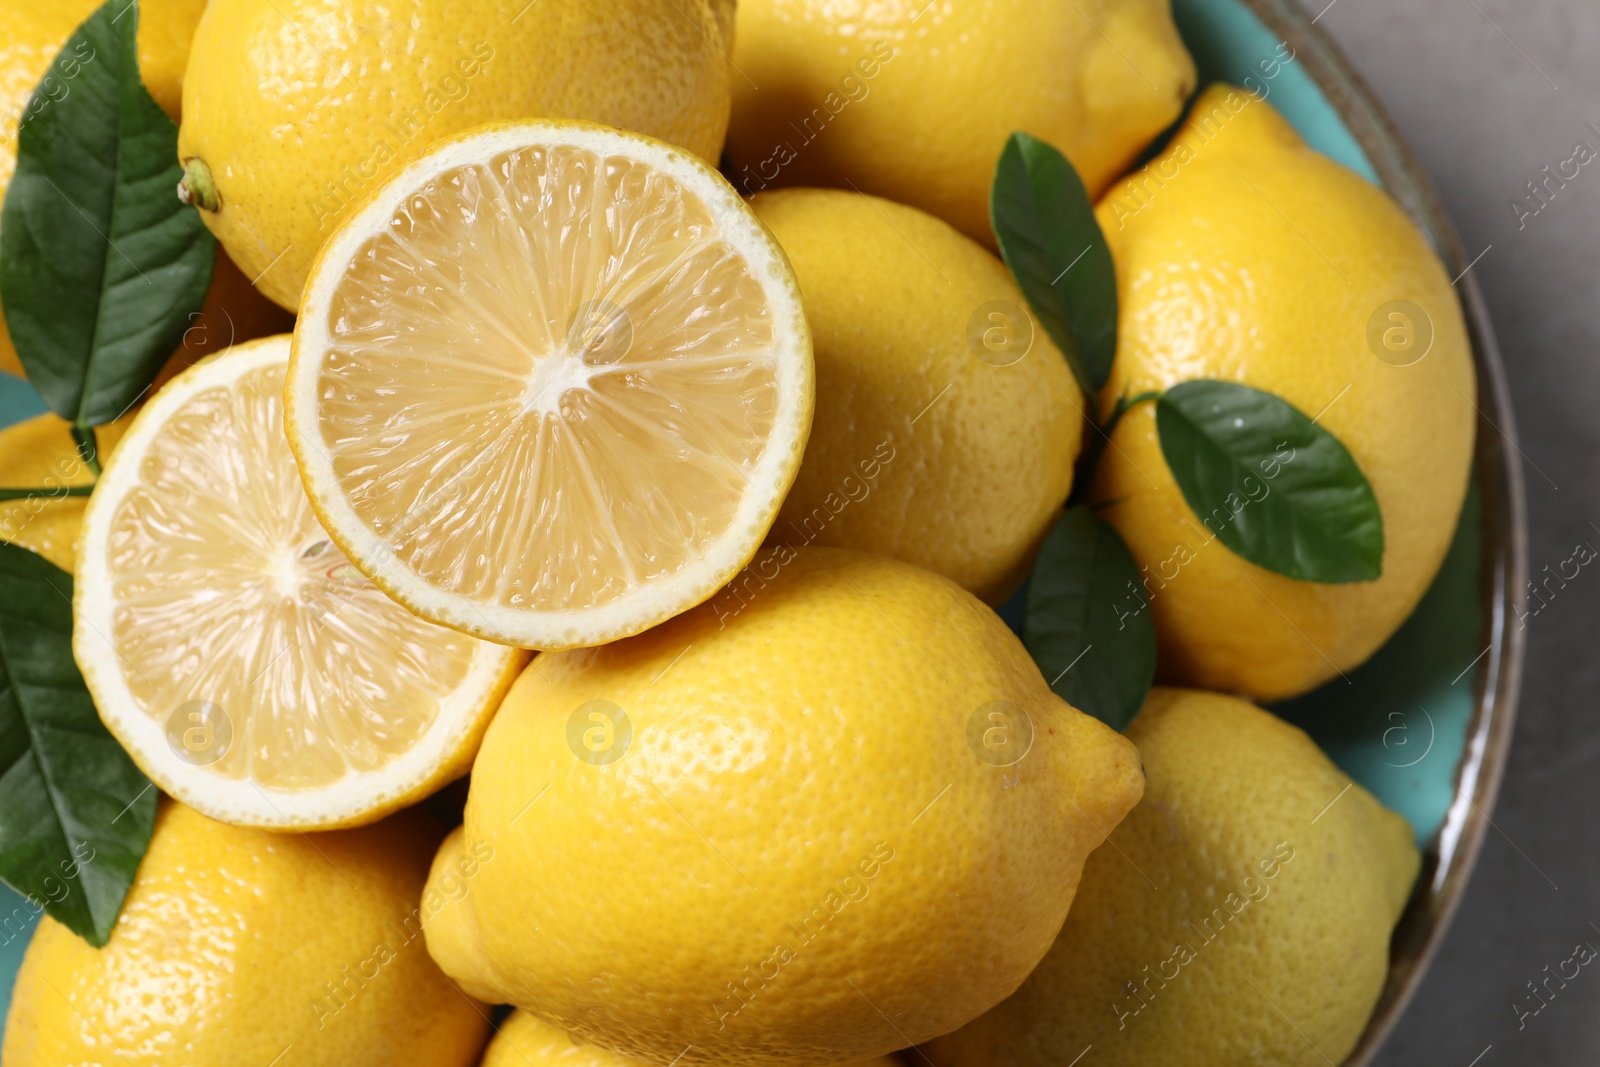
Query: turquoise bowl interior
point(1401, 723)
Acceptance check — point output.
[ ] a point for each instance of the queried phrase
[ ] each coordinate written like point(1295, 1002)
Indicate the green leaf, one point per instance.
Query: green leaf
point(75, 813)
point(1045, 225)
point(101, 265)
point(1087, 622)
point(1271, 484)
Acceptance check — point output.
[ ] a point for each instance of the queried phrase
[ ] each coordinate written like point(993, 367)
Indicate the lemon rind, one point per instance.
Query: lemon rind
point(443, 752)
point(647, 605)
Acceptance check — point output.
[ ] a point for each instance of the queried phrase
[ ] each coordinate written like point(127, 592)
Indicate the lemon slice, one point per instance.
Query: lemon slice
point(550, 383)
point(247, 667)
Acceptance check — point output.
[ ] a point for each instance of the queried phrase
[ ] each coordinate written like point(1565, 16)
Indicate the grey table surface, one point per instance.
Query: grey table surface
point(1489, 92)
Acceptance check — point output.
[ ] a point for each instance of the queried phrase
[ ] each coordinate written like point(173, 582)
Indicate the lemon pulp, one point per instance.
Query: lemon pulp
point(546, 379)
point(226, 587)
point(230, 645)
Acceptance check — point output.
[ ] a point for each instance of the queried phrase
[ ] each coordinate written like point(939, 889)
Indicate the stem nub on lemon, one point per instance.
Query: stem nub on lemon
point(31, 34)
point(300, 108)
point(550, 384)
point(244, 664)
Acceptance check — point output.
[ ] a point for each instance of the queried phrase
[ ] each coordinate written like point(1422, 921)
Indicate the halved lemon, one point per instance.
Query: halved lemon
point(550, 384)
point(247, 667)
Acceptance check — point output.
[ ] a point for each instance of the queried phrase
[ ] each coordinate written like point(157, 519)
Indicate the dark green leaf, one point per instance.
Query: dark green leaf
point(1271, 484)
point(1045, 225)
point(75, 813)
point(101, 265)
point(1088, 622)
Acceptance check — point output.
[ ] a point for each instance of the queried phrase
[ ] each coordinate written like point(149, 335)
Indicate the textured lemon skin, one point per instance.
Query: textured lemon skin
point(969, 462)
point(525, 1040)
point(231, 947)
point(914, 101)
point(300, 107)
point(1258, 260)
point(800, 753)
point(31, 35)
point(1242, 812)
point(40, 454)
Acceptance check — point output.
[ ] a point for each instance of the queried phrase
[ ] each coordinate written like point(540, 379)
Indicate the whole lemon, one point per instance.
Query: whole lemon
point(525, 1040)
point(841, 816)
point(31, 36)
point(40, 454)
point(297, 108)
point(1243, 916)
point(1244, 255)
point(946, 422)
point(914, 99)
point(242, 946)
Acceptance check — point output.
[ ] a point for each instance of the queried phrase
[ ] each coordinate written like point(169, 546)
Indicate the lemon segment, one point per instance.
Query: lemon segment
point(250, 670)
point(550, 384)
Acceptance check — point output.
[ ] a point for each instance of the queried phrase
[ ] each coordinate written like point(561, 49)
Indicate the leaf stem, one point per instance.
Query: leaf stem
point(34, 494)
point(1100, 439)
point(88, 447)
point(1125, 404)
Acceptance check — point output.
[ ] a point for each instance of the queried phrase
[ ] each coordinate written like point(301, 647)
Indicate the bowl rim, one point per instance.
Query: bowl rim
point(1452, 852)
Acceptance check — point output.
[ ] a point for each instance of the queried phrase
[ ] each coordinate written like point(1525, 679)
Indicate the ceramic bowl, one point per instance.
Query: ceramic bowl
point(1426, 723)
